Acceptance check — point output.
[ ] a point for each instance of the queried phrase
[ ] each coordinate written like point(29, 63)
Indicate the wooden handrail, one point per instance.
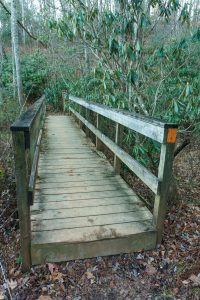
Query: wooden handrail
point(147, 177)
point(26, 134)
point(162, 132)
point(25, 121)
point(152, 128)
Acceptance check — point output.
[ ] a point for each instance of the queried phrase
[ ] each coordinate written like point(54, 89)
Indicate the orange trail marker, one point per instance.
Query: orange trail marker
point(171, 135)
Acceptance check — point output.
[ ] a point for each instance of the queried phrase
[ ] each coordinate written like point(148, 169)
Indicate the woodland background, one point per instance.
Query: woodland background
point(136, 55)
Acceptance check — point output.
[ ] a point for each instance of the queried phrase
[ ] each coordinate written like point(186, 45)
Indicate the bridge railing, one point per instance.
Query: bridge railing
point(26, 135)
point(162, 132)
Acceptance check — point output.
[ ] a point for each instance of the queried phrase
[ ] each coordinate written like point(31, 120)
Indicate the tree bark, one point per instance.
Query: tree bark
point(23, 21)
point(16, 51)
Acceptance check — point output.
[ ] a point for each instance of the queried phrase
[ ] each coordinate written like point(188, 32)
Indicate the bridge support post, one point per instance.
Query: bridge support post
point(79, 121)
point(98, 141)
point(21, 170)
point(118, 139)
point(165, 177)
point(87, 118)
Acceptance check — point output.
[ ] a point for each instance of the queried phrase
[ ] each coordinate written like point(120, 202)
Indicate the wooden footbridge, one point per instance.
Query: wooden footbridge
point(72, 203)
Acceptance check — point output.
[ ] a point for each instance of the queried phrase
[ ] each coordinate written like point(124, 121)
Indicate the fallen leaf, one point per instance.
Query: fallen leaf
point(44, 289)
point(52, 267)
point(2, 295)
point(195, 279)
point(12, 284)
point(12, 271)
point(89, 275)
point(57, 276)
point(150, 270)
point(44, 298)
point(175, 291)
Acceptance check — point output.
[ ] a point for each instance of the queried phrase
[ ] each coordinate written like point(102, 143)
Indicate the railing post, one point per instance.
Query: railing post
point(98, 142)
point(21, 155)
point(79, 121)
point(118, 138)
point(65, 97)
point(87, 118)
point(165, 178)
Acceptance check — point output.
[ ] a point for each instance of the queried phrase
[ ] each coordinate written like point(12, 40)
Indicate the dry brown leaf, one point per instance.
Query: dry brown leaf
point(89, 275)
point(195, 279)
point(44, 298)
point(12, 271)
point(12, 284)
point(52, 267)
point(56, 276)
point(175, 291)
point(150, 270)
point(2, 295)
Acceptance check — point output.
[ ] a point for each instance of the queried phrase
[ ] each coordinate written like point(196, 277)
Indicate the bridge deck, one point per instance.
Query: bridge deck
point(81, 208)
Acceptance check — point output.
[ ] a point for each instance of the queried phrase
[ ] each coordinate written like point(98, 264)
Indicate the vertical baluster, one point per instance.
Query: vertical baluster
point(118, 138)
point(98, 142)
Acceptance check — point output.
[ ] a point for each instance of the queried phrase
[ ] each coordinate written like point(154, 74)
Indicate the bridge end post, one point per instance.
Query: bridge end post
point(165, 175)
point(21, 170)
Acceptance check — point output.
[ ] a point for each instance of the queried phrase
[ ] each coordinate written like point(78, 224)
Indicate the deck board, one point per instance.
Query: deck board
point(81, 207)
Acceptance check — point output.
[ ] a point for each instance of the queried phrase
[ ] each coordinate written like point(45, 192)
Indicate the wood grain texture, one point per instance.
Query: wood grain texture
point(69, 251)
point(143, 173)
point(20, 154)
point(145, 125)
point(81, 207)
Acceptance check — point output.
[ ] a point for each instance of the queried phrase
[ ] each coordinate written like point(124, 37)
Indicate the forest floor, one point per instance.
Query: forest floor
point(172, 271)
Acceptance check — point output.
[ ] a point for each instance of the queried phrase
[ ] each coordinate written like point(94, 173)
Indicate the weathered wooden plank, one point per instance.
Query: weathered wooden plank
point(63, 252)
point(82, 196)
point(147, 177)
point(82, 189)
point(85, 203)
point(79, 177)
point(66, 184)
point(88, 234)
point(53, 214)
point(91, 179)
point(20, 154)
point(99, 220)
point(147, 126)
point(71, 156)
point(59, 152)
point(71, 163)
point(74, 172)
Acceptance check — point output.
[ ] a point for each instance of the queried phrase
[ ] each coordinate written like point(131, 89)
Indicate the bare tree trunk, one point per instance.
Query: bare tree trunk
point(23, 21)
point(14, 74)
point(1, 65)
point(16, 51)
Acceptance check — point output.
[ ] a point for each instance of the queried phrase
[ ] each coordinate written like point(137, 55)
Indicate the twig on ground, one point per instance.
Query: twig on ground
point(6, 281)
point(8, 219)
